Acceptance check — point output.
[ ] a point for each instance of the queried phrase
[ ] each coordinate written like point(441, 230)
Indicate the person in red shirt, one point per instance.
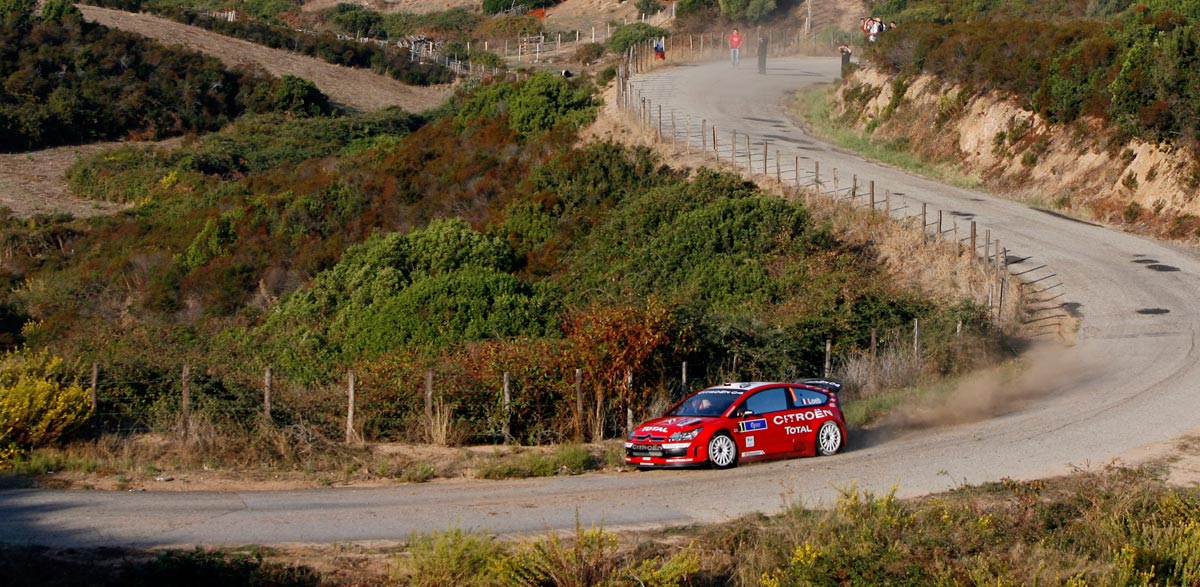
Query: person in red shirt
point(735, 43)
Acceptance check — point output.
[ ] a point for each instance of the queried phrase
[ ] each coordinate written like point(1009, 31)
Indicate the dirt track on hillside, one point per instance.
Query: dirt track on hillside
point(357, 89)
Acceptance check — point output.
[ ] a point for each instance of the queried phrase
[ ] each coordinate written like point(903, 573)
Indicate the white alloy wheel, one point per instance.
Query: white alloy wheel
point(829, 439)
point(722, 452)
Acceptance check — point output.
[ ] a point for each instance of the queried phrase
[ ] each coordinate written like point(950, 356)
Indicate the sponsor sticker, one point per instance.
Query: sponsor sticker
point(752, 425)
point(804, 416)
point(655, 429)
point(749, 442)
point(797, 429)
point(753, 453)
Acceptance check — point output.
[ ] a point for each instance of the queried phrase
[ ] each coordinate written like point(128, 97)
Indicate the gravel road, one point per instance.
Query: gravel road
point(1131, 379)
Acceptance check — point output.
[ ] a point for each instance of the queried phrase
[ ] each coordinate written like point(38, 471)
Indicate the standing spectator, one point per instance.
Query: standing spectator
point(762, 53)
point(876, 28)
point(865, 26)
point(660, 48)
point(735, 44)
point(845, 51)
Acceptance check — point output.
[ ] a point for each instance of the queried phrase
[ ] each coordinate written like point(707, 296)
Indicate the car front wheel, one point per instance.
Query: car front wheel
point(722, 451)
point(829, 439)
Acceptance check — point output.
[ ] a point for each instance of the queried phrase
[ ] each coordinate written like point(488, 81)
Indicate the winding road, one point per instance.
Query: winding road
point(1131, 378)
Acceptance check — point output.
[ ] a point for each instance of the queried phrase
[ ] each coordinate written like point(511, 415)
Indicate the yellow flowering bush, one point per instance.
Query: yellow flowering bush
point(36, 408)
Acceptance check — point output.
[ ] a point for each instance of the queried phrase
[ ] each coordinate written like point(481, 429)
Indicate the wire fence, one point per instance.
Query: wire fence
point(766, 158)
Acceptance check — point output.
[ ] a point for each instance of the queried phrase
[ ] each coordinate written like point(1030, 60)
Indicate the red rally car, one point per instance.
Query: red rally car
point(739, 422)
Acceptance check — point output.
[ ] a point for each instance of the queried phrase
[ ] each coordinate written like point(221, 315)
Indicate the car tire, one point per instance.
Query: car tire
point(722, 451)
point(829, 439)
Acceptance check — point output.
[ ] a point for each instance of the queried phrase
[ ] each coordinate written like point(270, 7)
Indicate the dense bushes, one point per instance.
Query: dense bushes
point(66, 81)
point(536, 106)
point(1135, 71)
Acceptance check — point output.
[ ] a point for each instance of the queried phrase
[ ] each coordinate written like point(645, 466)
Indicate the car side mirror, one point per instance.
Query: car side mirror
point(744, 413)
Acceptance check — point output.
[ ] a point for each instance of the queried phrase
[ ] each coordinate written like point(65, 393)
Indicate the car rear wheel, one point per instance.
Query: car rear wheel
point(722, 451)
point(829, 439)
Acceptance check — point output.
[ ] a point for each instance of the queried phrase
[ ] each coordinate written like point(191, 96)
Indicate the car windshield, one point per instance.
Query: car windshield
point(707, 403)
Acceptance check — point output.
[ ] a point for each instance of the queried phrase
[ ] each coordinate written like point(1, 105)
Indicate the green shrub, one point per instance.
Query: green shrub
point(606, 75)
point(633, 34)
point(452, 557)
point(589, 53)
point(546, 100)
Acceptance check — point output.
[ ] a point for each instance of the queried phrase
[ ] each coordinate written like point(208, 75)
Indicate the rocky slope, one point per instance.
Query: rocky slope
point(1081, 169)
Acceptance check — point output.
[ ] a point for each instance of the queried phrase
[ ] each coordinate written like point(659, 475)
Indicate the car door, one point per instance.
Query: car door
point(810, 409)
point(757, 436)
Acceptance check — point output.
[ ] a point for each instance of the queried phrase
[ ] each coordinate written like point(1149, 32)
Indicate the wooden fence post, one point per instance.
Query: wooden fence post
point(749, 166)
point(683, 384)
point(186, 403)
point(817, 174)
point(716, 153)
point(939, 226)
point(778, 172)
point(703, 136)
point(628, 401)
point(917, 340)
point(764, 155)
point(871, 190)
point(974, 251)
point(797, 171)
point(853, 187)
point(828, 355)
point(95, 384)
point(267, 394)
point(987, 246)
point(507, 411)
point(872, 374)
point(349, 407)
point(579, 405)
point(429, 398)
point(924, 221)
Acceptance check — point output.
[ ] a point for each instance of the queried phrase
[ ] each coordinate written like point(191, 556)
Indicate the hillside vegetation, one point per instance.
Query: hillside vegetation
point(66, 81)
point(477, 241)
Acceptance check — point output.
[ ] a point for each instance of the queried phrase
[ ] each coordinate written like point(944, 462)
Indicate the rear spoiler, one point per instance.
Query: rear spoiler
point(827, 383)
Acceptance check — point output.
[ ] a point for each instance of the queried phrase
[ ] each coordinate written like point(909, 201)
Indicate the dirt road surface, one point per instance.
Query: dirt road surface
point(1130, 380)
point(357, 89)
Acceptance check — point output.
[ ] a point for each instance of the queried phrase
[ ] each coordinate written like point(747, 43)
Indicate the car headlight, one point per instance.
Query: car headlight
point(683, 435)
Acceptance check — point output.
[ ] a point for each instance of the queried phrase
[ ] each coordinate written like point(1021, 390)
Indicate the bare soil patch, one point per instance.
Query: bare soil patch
point(33, 183)
point(390, 6)
point(356, 89)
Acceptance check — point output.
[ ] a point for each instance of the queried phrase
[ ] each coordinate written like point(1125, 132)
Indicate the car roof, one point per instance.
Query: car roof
point(814, 384)
point(744, 385)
